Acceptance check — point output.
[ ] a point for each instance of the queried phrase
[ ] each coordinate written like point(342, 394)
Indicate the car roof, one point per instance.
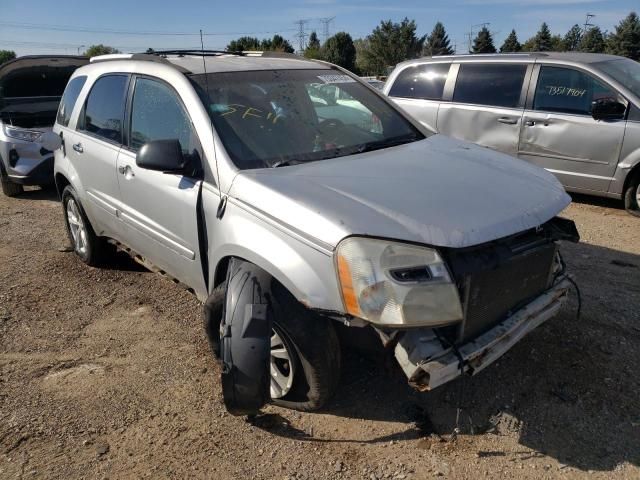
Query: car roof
point(194, 63)
point(528, 57)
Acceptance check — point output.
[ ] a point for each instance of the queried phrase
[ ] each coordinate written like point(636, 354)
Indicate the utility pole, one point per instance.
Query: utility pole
point(79, 47)
point(587, 22)
point(301, 35)
point(325, 27)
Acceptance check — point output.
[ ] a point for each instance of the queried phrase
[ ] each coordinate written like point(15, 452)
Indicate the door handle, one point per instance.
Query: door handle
point(126, 171)
point(531, 123)
point(508, 120)
point(78, 147)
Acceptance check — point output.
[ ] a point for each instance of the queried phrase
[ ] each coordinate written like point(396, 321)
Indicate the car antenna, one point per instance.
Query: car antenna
point(206, 85)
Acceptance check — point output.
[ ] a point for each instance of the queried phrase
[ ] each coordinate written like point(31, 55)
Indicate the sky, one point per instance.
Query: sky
point(68, 26)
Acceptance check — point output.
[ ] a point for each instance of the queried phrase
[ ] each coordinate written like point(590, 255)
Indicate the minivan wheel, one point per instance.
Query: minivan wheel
point(305, 351)
point(632, 196)
point(86, 244)
point(9, 188)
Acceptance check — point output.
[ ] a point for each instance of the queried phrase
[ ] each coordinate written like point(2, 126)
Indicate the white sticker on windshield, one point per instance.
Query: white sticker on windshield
point(336, 78)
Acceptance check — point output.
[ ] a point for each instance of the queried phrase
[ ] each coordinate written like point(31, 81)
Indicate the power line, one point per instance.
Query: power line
point(302, 34)
point(325, 27)
point(109, 31)
point(586, 22)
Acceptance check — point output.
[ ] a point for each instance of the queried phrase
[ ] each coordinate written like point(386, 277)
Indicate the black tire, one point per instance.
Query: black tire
point(95, 251)
point(310, 339)
point(631, 195)
point(9, 188)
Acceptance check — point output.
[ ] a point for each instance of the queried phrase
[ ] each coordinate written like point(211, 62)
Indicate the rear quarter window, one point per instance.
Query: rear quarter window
point(424, 82)
point(104, 109)
point(69, 99)
point(491, 85)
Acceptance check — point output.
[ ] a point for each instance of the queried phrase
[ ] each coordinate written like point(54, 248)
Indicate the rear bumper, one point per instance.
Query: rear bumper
point(428, 364)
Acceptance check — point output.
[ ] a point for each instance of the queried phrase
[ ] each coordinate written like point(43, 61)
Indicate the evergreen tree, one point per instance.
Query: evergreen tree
point(511, 44)
point(244, 44)
point(557, 43)
point(438, 42)
point(313, 49)
point(483, 42)
point(6, 55)
point(572, 39)
point(626, 39)
point(277, 44)
point(592, 41)
point(542, 40)
point(95, 50)
point(340, 50)
point(389, 44)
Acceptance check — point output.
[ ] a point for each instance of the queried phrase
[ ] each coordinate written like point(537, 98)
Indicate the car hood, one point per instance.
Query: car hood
point(437, 191)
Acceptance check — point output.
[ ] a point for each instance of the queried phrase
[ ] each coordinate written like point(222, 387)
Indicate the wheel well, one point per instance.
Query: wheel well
point(633, 174)
point(61, 183)
point(221, 271)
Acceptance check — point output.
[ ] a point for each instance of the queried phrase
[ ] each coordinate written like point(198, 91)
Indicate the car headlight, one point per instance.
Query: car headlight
point(22, 134)
point(396, 284)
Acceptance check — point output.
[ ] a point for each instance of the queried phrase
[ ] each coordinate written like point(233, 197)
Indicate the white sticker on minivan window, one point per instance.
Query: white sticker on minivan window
point(336, 78)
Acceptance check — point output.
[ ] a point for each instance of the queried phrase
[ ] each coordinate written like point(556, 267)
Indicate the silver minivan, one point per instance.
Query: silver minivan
point(575, 114)
point(298, 226)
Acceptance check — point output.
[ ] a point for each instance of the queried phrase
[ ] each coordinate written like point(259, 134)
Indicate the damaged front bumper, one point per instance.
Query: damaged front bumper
point(428, 364)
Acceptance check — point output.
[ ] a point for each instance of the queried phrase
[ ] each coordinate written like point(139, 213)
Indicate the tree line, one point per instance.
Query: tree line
point(393, 42)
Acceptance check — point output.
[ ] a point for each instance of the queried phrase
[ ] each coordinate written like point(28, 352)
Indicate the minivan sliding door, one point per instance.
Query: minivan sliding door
point(487, 105)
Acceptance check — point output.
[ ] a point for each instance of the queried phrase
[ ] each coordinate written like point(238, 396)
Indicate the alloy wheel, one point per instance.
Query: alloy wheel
point(282, 366)
point(76, 227)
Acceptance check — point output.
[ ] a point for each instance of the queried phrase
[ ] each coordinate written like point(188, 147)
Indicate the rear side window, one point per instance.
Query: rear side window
point(69, 99)
point(157, 114)
point(422, 81)
point(491, 85)
point(566, 90)
point(104, 110)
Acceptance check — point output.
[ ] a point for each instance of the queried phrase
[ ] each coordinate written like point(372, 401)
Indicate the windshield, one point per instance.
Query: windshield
point(283, 117)
point(624, 71)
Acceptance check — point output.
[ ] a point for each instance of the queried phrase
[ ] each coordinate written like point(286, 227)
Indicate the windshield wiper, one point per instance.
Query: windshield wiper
point(386, 143)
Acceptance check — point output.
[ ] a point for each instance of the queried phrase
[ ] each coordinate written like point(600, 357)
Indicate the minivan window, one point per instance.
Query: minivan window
point(624, 71)
point(104, 109)
point(425, 81)
point(497, 85)
point(69, 99)
point(276, 118)
point(566, 90)
point(158, 114)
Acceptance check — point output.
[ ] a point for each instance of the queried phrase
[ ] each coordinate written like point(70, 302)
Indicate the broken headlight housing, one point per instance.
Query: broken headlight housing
point(22, 134)
point(396, 284)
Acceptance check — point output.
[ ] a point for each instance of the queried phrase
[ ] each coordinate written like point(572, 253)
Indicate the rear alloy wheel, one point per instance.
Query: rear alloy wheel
point(632, 196)
point(88, 246)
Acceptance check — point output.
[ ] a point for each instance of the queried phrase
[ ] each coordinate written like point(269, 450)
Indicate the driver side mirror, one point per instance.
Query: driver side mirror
point(607, 109)
point(162, 155)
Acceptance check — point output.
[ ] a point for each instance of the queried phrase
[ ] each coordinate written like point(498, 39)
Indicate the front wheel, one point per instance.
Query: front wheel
point(632, 196)
point(304, 362)
point(9, 188)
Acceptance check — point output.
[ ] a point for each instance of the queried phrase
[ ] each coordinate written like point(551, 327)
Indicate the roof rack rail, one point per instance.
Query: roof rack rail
point(127, 56)
point(193, 51)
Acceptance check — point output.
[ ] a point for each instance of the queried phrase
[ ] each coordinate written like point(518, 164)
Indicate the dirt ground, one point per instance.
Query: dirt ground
point(106, 373)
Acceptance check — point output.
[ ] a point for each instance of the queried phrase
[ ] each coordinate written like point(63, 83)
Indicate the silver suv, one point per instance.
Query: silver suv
point(30, 90)
point(287, 219)
point(575, 114)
